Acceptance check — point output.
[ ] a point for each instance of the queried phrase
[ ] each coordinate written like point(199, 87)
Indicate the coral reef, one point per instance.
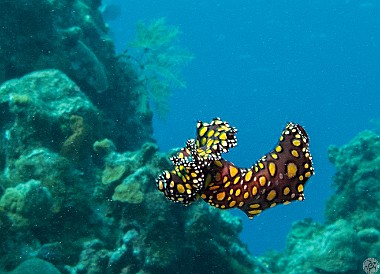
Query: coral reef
point(70, 203)
point(70, 35)
point(34, 266)
point(27, 205)
point(351, 232)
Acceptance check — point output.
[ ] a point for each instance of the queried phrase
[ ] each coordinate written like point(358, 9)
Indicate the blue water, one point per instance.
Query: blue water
point(259, 64)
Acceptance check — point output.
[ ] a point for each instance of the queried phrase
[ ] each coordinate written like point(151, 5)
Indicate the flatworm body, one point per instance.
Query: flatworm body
point(199, 170)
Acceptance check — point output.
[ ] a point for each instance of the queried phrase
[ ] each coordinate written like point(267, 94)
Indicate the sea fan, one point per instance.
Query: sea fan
point(158, 61)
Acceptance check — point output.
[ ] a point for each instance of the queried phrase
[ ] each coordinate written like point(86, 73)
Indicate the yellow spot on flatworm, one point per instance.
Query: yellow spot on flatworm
point(160, 185)
point(248, 176)
point(281, 138)
point(273, 205)
point(255, 206)
point(237, 192)
point(180, 188)
point(274, 155)
point(227, 184)
point(222, 206)
point(233, 171)
point(246, 195)
point(272, 168)
point(241, 204)
point(308, 174)
point(291, 170)
point(220, 196)
point(225, 178)
point(202, 131)
point(262, 180)
point(218, 163)
point(171, 184)
point(295, 153)
point(210, 133)
point(209, 143)
point(254, 190)
point(256, 168)
point(306, 165)
point(261, 165)
point(188, 186)
point(231, 191)
point(271, 195)
point(286, 202)
point(297, 136)
point(296, 142)
point(237, 179)
point(286, 190)
point(223, 136)
point(214, 187)
point(232, 203)
point(254, 212)
point(300, 188)
point(300, 178)
point(203, 196)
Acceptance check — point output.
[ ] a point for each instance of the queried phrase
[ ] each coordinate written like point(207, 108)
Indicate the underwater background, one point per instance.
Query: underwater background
point(259, 64)
point(90, 113)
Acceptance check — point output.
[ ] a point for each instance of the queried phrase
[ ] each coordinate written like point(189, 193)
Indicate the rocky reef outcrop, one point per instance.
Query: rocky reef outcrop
point(70, 198)
point(78, 163)
point(70, 36)
point(350, 234)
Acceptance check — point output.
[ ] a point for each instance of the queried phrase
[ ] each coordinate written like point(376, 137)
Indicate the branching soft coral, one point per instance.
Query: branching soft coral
point(158, 61)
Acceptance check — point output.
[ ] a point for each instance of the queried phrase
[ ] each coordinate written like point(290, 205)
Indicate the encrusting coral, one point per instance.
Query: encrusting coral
point(62, 201)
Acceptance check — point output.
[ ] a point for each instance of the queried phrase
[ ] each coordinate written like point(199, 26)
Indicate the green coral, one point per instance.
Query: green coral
point(158, 60)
